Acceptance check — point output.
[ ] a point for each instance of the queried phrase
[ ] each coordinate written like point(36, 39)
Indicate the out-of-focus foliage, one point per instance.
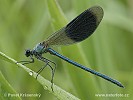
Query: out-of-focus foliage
point(24, 23)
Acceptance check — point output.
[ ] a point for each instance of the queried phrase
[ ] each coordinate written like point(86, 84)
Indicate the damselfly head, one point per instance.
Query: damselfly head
point(28, 52)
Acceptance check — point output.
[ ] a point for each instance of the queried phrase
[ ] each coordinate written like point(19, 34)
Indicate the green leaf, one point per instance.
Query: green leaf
point(6, 91)
point(58, 92)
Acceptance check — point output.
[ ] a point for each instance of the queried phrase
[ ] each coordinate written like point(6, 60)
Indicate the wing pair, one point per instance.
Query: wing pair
point(78, 29)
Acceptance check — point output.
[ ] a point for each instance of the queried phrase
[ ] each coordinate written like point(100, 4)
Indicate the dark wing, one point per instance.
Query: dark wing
point(78, 29)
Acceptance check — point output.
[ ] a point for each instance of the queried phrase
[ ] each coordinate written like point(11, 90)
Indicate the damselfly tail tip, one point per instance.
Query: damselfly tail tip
point(120, 85)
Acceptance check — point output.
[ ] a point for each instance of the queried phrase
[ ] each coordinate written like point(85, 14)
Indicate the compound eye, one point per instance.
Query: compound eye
point(27, 53)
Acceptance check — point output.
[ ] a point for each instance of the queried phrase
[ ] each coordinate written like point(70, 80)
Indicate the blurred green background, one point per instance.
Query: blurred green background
point(24, 23)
